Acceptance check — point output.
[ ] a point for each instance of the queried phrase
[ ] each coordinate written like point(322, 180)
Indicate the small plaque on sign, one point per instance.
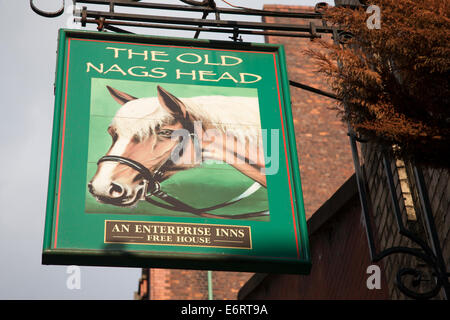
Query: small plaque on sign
point(178, 234)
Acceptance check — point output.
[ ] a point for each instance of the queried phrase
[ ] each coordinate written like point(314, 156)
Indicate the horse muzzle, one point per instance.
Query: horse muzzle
point(117, 194)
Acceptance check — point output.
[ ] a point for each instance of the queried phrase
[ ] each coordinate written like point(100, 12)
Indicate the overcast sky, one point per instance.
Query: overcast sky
point(27, 67)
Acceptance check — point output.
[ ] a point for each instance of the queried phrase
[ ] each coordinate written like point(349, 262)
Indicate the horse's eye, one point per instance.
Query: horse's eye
point(166, 133)
point(136, 139)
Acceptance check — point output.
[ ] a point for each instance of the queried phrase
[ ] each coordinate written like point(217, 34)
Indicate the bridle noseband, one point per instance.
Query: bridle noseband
point(151, 184)
point(152, 189)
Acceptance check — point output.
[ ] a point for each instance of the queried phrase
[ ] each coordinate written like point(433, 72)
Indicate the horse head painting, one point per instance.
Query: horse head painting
point(146, 137)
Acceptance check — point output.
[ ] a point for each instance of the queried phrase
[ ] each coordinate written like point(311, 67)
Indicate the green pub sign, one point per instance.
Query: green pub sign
point(173, 153)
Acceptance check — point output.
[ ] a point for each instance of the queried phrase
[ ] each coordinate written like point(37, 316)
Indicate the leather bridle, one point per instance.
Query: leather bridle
point(152, 190)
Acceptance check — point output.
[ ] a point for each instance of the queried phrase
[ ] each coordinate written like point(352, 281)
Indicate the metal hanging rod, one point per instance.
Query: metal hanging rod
point(208, 9)
point(109, 24)
point(314, 90)
point(145, 20)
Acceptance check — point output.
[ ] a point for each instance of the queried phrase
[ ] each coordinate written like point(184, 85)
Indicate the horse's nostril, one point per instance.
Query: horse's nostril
point(90, 187)
point(116, 190)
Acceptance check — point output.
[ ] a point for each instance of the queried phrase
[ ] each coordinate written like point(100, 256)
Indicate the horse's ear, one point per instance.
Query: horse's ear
point(171, 103)
point(119, 96)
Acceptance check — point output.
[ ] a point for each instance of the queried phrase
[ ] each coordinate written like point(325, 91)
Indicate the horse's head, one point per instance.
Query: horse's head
point(142, 131)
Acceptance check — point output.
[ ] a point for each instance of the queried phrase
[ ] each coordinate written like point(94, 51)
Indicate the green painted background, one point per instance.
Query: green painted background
point(80, 234)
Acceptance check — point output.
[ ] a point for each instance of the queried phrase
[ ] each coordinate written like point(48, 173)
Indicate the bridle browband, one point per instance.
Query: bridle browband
point(152, 189)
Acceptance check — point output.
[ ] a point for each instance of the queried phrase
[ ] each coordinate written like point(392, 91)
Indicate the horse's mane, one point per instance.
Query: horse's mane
point(238, 116)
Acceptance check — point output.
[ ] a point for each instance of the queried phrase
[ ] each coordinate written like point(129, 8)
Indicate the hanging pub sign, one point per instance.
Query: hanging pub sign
point(173, 153)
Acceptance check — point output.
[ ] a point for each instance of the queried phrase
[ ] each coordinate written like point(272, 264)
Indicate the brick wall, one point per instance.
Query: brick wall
point(227, 284)
point(172, 284)
point(322, 142)
point(167, 284)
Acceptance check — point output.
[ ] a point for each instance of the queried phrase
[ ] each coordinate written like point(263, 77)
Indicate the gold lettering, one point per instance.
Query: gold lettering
point(198, 58)
point(116, 51)
point(170, 229)
point(179, 73)
point(123, 228)
point(227, 76)
point(202, 74)
point(224, 60)
point(131, 53)
point(243, 75)
point(210, 63)
point(90, 65)
point(115, 68)
point(159, 53)
point(143, 74)
point(159, 71)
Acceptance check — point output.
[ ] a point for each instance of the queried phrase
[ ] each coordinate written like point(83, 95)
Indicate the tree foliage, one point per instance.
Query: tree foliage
point(394, 81)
